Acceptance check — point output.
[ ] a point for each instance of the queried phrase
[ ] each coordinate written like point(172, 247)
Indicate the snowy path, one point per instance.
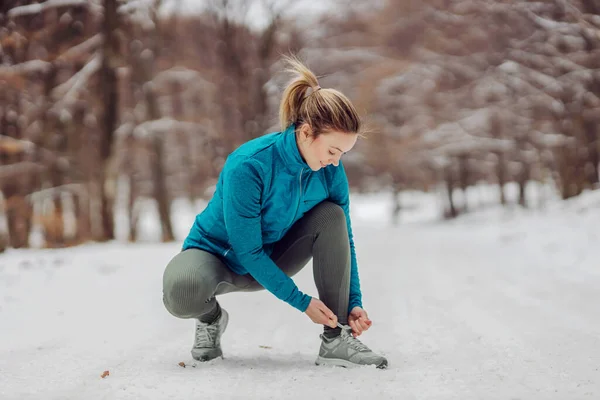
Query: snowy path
point(493, 308)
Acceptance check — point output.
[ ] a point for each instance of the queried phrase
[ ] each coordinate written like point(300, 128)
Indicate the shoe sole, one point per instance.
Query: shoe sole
point(208, 355)
point(338, 362)
point(211, 354)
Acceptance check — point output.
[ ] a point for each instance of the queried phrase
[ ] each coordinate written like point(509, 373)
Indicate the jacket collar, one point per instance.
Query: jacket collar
point(289, 152)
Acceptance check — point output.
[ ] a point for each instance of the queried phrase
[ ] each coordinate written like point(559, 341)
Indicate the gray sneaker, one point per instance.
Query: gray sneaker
point(347, 351)
point(207, 340)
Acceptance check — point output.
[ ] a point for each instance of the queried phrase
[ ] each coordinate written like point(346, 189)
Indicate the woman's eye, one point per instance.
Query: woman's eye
point(331, 152)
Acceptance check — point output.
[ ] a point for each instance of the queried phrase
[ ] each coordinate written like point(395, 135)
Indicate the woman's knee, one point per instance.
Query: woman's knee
point(185, 290)
point(330, 214)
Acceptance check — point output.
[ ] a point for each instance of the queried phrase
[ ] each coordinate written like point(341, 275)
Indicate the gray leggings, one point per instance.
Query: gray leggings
point(194, 277)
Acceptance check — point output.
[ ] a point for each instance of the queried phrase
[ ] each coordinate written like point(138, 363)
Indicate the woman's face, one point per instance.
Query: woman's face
point(325, 149)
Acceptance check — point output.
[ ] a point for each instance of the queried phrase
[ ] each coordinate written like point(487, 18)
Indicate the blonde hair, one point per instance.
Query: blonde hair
point(323, 109)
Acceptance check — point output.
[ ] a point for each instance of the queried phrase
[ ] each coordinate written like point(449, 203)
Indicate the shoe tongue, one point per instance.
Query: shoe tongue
point(355, 342)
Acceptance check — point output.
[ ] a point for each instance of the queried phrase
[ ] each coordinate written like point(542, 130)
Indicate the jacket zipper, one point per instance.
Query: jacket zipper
point(299, 196)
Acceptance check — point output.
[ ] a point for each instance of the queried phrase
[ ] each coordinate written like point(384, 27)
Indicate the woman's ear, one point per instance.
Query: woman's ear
point(305, 131)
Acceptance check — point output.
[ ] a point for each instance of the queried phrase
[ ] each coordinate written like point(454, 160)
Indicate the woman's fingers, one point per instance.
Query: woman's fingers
point(359, 325)
point(319, 313)
point(356, 327)
point(351, 323)
point(330, 319)
point(364, 324)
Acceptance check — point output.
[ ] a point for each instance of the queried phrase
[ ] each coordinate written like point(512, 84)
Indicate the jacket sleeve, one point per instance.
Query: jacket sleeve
point(242, 190)
point(339, 193)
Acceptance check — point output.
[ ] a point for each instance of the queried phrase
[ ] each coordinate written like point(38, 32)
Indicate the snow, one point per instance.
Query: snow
point(135, 5)
point(38, 8)
point(27, 67)
point(176, 74)
point(555, 26)
point(259, 14)
point(497, 304)
point(67, 92)
point(82, 48)
point(166, 124)
point(51, 192)
point(454, 137)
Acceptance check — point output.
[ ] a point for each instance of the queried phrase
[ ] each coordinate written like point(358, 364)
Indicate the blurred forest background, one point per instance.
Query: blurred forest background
point(106, 101)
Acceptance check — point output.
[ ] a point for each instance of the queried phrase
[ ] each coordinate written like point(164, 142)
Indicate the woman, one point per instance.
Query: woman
point(280, 200)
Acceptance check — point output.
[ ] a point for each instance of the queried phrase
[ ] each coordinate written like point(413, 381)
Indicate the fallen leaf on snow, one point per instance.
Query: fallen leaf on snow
point(104, 374)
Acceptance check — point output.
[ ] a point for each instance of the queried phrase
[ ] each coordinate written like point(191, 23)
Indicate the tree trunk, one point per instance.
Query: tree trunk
point(501, 174)
point(451, 212)
point(158, 171)
point(131, 186)
point(525, 171)
point(497, 132)
point(83, 230)
point(396, 188)
point(19, 213)
point(108, 84)
point(593, 147)
point(19, 210)
point(54, 226)
point(132, 212)
point(185, 143)
point(524, 175)
point(267, 43)
point(106, 206)
point(464, 179)
point(160, 191)
point(568, 171)
point(3, 241)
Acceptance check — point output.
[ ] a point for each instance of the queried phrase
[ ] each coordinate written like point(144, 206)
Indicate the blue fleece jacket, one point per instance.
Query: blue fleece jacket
point(264, 188)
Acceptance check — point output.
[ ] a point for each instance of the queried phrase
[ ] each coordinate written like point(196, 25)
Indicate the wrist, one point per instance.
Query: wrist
point(351, 307)
point(304, 303)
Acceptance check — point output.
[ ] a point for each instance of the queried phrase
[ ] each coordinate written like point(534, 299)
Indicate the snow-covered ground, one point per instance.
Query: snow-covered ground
point(498, 304)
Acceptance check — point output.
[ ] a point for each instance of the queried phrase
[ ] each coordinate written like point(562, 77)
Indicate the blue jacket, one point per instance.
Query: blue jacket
point(264, 188)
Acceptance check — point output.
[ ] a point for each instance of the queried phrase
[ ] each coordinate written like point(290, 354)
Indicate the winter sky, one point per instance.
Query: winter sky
point(257, 15)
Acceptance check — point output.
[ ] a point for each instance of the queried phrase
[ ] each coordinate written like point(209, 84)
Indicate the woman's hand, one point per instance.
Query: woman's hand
point(319, 313)
point(359, 321)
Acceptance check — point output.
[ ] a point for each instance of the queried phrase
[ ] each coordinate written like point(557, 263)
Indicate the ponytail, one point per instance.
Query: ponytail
point(295, 92)
point(322, 109)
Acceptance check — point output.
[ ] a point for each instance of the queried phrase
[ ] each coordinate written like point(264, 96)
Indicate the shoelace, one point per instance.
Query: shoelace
point(205, 334)
point(351, 340)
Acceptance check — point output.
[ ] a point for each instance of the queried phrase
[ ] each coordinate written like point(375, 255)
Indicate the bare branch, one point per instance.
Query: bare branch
point(77, 188)
point(10, 145)
point(24, 68)
point(168, 124)
point(40, 7)
point(82, 49)
point(23, 168)
point(182, 75)
point(66, 93)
